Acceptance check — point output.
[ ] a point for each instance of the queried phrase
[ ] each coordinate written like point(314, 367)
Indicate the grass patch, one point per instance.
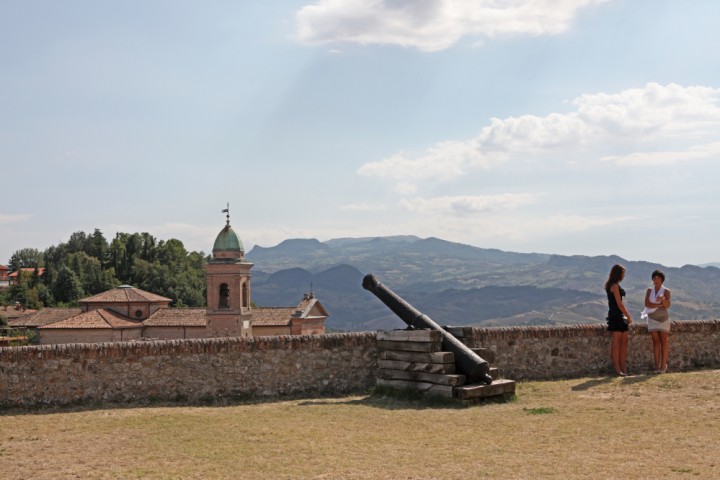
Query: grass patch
point(594, 429)
point(539, 410)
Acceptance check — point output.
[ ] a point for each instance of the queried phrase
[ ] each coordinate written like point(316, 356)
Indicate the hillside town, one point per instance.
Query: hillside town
point(127, 313)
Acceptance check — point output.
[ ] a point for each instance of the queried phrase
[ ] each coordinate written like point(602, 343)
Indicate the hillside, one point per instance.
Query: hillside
point(463, 285)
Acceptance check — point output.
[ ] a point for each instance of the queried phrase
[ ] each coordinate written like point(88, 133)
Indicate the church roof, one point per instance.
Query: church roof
point(125, 294)
point(228, 241)
point(96, 319)
point(272, 316)
point(282, 316)
point(46, 316)
point(177, 317)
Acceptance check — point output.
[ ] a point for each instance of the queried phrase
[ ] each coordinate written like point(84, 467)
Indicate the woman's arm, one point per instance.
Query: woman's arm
point(648, 303)
point(615, 289)
point(666, 299)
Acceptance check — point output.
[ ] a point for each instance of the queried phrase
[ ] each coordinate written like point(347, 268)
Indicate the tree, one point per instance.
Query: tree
point(98, 247)
point(78, 242)
point(90, 273)
point(25, 258)
point(67, 287)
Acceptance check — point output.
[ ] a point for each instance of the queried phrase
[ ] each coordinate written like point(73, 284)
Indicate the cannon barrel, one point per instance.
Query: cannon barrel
point(467, 361)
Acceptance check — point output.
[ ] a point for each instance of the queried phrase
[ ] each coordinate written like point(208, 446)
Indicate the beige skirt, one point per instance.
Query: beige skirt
point(659, 321)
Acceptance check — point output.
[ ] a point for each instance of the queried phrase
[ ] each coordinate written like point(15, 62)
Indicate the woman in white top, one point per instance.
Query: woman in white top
point(657, 302)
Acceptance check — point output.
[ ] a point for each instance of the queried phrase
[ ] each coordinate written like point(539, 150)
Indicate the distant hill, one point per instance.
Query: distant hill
point(463, 285)
point(713, 264)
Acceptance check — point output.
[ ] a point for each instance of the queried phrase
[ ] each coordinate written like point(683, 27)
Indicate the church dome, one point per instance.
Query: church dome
point(228, 241)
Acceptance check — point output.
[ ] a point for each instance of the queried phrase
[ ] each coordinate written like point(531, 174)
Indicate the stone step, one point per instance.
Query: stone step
point(437, 378)
point(426, 367)
point(409, 346)
point(424, 387)
point(410, 335)
point(485, 354)
point(478, 391)
point(429, 357)
point(494, 373)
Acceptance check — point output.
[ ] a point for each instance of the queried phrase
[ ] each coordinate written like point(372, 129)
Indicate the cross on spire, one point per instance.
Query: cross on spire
point(227, 210)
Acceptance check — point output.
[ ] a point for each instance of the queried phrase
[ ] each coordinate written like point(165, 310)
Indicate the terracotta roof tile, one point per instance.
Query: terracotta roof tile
point(96, 319)
point(124, 294)
point(272, 316)
point(41, 272)
point(46, 316)
point(177, 317)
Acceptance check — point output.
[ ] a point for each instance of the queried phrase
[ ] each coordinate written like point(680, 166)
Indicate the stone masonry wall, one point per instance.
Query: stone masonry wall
point(269, 367)
point(546, 353)
point(187, 370)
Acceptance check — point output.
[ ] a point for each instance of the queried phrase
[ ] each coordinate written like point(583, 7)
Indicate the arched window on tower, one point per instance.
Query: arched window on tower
point(245, 295)
point(224, 296)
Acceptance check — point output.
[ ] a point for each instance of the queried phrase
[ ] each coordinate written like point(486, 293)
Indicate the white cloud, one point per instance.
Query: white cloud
point(650, 159)
point(632, 119)
point(443, 161)
point(362, 207)
point(17, 218)
point(406, 188)
point(432, 25)
point(519, 229)
point(466, 204)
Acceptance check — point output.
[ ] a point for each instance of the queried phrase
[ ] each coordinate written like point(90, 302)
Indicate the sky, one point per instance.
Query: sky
point(572, 127)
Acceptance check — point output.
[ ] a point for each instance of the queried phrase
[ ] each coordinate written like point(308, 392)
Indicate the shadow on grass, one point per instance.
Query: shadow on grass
point(391, 399)
point(591, 383)
point(596, 382)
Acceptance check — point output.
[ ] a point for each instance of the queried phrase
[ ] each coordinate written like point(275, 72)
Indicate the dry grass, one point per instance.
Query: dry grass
point(664, 426)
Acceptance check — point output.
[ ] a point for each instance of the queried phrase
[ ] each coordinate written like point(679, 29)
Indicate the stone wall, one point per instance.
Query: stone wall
point(546, 353)
point(187, 370)
point(267, 367)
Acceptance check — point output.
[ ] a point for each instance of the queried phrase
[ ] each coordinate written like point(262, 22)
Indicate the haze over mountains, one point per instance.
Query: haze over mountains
point(459, 284)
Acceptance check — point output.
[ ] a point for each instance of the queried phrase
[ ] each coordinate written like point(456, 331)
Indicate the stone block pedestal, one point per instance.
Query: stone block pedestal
point(414, 360)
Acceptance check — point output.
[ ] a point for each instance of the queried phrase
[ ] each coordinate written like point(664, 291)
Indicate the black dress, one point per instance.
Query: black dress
point(615, 318)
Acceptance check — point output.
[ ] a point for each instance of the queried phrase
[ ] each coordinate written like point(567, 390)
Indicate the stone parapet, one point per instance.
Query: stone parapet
point(546, 353)
point(187, 370)
point(333, 364)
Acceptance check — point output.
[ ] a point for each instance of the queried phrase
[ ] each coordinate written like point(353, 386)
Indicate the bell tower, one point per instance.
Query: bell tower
point(228, 286)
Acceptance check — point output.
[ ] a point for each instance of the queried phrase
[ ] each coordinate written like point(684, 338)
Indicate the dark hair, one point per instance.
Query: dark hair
point(616, 273)
point(658, 273)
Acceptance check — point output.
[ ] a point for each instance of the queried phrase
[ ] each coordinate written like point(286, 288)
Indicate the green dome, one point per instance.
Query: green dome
point(228, 241)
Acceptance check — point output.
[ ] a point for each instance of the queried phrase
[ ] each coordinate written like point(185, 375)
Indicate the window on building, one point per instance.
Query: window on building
point(224, 296)
point(245, 295)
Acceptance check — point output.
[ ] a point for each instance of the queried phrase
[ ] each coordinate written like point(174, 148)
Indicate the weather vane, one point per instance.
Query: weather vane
point(227, 210)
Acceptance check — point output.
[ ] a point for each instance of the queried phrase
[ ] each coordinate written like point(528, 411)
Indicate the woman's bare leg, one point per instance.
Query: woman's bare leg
point(623, 351)
point(657, 350)
point(615, 354)
point(665, 347)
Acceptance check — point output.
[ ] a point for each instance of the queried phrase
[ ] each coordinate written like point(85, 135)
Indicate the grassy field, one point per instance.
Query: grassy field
point(665, 426)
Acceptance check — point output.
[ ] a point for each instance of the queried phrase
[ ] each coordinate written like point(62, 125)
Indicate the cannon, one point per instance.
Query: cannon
point(467, 361)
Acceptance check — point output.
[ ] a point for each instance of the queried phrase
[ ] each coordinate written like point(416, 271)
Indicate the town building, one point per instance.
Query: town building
point(127, 313)
point(4, 280)
point(13, 277)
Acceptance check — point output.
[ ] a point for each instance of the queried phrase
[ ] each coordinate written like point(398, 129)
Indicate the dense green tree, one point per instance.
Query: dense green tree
point(90, 273)
point(98, 247)
point(78, 242)
point(22, 292)
point(67, 288)
point(87, 264)
point(45, 296)
point(25, 258)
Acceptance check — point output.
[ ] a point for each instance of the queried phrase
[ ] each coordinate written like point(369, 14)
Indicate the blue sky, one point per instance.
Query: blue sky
point(558, 126)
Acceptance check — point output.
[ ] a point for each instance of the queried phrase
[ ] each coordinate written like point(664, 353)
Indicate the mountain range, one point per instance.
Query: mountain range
point(459, 284)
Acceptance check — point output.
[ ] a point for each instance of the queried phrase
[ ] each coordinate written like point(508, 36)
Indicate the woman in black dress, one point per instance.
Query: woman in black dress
point(618, 319)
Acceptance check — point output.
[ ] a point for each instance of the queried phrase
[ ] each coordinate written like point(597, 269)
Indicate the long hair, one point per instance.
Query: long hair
point(616, 273)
